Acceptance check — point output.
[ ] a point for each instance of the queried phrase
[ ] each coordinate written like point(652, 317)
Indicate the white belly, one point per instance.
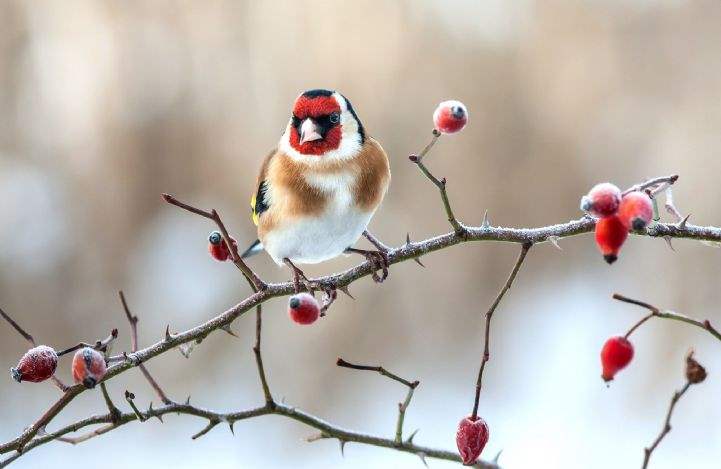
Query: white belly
point(314, 240)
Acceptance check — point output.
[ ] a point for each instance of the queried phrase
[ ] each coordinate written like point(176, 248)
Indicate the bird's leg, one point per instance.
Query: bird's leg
point(298, 277)
point(376, 242)
point(378, 259)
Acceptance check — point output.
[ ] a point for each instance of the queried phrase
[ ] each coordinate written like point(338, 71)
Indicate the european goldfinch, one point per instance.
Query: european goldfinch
point(317, 191)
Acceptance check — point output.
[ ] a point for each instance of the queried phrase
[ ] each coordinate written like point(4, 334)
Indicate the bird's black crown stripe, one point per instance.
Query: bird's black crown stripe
point(316, 93)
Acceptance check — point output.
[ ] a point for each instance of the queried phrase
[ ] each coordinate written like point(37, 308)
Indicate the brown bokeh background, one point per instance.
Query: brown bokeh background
point(104, 105)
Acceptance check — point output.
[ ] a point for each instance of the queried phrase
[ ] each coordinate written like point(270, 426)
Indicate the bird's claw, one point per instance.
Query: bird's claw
point(300, 277)
point(379, 261)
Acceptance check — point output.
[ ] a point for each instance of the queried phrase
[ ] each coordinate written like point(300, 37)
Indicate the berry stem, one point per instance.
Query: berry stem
point(638, 324)
point(486, 347)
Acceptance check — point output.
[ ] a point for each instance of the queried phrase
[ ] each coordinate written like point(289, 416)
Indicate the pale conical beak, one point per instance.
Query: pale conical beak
point(309, 131)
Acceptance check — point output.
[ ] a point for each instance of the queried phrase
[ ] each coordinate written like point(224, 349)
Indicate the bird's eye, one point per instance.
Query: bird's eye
point(334, 118)
point(296, 120)
point(215, 238)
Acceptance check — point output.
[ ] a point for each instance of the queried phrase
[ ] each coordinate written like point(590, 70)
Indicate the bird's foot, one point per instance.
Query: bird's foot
point(330, 294)
point(378, 259)
point(299, 277)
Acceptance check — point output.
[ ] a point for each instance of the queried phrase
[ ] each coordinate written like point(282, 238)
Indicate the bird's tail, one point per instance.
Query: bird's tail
point(253, 249)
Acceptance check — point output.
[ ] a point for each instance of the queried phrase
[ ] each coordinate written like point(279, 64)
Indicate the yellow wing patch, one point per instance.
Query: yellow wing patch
point(252, 207)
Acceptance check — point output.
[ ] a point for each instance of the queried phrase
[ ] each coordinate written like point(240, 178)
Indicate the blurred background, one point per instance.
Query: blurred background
point(104, 105)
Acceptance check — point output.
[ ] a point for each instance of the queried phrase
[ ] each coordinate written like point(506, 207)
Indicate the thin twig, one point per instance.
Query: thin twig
point(213, 215)
point(114, 411)
point(17, 327)
point(656, 312)
point(489, 314)
point(378, 369)
point(100, 345)
point(651, 183)
point(439, 183)
point(402, 406)
point(671, 207)
point(133, 320)
point(666, 425)
point(130, 397)
point(256, 351)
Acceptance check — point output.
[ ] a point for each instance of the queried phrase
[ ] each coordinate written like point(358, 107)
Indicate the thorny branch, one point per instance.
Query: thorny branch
point(30, 439)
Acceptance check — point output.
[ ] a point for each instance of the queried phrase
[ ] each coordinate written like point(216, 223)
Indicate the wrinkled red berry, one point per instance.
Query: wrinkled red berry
point(611, 233)
point(471, 438)
point(38, 364)
point(303, 308)
point(616, 354)
point(89, 367)
point(636, 210)
point(218, 248)
point(450, 117)
point(602, 200)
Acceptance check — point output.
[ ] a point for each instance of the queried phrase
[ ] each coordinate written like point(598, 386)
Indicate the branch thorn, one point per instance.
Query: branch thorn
point(230, 331)
point(346, 291)
point(342, 446)
point(554, 240)
point(409, 440)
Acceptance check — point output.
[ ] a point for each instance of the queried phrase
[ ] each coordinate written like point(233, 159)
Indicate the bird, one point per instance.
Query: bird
point(319, 188)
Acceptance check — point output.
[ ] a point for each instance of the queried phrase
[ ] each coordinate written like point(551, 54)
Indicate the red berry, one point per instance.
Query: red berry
point(636, 210)
point(471, 438)
point(303, 308)
point(88, 367)
point(38, 364)
point(218, 248)
point(450, 117)
point(602, 200)
point(611, 233)
point(617, 352)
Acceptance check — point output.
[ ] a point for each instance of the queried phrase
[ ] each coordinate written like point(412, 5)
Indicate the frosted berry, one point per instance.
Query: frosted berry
point(88, 367)
point(450, 117)
point(303, 308)
point(611, 233)
point(616, 354)
point(38, 364)
point(471, 438)
point(602, 200)
point(636, 210)
point(218, 248)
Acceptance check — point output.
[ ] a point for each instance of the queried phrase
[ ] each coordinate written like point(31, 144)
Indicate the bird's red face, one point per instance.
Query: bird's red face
point(316, 124)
